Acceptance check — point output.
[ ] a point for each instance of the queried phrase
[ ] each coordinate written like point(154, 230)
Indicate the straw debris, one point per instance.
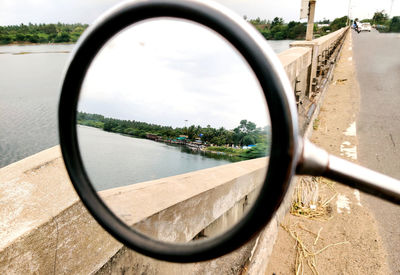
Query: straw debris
point(304, 254)
point(307, 201)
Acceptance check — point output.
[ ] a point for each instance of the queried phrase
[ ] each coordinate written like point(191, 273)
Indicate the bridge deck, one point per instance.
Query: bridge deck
point(377, 61)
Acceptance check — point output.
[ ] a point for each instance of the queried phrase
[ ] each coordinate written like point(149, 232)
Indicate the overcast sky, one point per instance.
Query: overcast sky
point(185, 72)
point(85, 11)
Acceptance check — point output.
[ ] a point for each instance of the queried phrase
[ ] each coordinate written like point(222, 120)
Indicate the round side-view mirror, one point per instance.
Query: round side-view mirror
point(176, 116)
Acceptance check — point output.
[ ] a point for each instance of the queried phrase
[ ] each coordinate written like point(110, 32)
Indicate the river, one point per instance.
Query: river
point(113, 160)
point(30, 78)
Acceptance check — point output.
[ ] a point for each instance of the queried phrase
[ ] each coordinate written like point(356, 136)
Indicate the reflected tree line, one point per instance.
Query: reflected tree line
point(216, 139)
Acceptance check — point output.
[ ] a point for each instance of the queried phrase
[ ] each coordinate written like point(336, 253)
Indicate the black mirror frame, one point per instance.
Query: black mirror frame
point(277, 91)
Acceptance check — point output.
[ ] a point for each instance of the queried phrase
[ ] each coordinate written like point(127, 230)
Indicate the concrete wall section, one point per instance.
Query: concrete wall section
point(168, 208)
point(323, 53)
point(43, 226)
point(129, 262)
point(157, 196)
point(322, 50)
point(297, 63)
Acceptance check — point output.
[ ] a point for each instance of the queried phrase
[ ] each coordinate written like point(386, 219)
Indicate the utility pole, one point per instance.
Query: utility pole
point(391, 8)
point(186, 126)
point(310, 23)
point(348, 14)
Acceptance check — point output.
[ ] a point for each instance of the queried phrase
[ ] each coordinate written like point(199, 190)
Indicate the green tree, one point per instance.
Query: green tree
point(49, 29)
point(338, 23)
point(299, 31)
point(395, 24)
point(192, 132)
point(41, 33)
point(259, 151)
point(33, 38)
point(325, 21)
point(276, 22)
point(380, 17)
point(267, 34)
point(248, 140)
point(20, 37)
point(109, 126)
point(247, 126)
point(62, 37)
point(5, 39)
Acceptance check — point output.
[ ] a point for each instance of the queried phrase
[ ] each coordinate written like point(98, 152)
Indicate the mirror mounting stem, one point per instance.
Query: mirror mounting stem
point(315, 161)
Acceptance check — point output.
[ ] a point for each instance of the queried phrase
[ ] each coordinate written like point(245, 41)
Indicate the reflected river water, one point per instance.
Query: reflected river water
point(113, 160)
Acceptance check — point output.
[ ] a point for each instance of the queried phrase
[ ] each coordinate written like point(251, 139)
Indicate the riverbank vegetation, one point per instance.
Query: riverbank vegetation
point(41, 33)
point(229, 142)
point(257, 151)
point(277, 29)
point(326, 26)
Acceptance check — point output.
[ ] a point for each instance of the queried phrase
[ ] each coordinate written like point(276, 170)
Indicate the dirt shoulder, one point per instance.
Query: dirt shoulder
point(344, 239)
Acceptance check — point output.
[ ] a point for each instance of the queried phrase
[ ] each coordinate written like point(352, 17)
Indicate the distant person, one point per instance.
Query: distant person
point(356, 27)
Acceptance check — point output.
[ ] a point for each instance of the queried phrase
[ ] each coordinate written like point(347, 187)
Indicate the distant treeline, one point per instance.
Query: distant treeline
point(41, 33)
point(277, 29)
point(246, 133)
point(383, 23)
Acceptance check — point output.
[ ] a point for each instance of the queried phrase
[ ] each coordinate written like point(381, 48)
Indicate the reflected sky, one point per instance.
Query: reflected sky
point(166, 71)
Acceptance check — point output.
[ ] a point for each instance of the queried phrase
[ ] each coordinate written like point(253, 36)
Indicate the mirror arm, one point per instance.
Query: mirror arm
point(315, 161)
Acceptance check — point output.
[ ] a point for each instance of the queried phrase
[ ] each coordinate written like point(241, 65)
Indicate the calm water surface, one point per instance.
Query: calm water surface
point(113, 160)
point(29, 90)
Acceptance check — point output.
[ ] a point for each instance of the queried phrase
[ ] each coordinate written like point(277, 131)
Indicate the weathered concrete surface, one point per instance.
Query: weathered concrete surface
point(207, 201)
point(312, 62)
point(129, 262)
point(318, 46)
point(377, 61)
point(174, 215)
point(43, 226)
point(295, 61)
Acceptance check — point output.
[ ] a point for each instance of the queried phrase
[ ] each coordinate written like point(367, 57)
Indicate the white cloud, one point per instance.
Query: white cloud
point(166, 71)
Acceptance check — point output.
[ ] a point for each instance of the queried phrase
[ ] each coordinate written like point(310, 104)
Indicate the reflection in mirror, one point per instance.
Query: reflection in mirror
point(173, 130)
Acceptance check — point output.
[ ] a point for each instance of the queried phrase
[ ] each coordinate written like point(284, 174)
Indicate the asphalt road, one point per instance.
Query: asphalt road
point(377, 60)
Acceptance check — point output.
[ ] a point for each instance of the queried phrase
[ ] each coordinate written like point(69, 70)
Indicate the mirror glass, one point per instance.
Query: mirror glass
point(173, 130)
